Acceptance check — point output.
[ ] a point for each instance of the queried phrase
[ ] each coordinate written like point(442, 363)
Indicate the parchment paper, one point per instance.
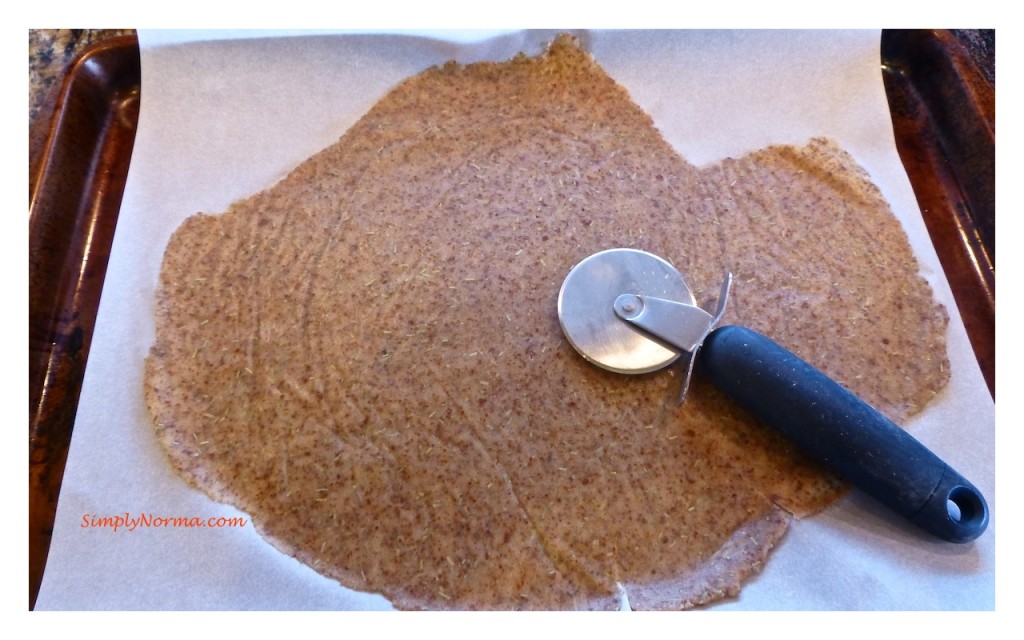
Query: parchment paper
point(221, 120)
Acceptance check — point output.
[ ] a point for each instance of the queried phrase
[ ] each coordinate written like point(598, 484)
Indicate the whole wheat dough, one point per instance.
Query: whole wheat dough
point(366, 357)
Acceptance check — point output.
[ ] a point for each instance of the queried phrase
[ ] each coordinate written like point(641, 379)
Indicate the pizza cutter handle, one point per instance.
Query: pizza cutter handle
point(842, 431)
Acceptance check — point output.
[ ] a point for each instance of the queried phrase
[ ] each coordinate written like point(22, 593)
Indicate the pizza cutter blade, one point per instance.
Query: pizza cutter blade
point(630, 311)
point(587, 312)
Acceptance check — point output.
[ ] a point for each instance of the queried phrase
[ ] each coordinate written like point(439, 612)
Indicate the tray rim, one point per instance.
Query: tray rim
point(70, 233)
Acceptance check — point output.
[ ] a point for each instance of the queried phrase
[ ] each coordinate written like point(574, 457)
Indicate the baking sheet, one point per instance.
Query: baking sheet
point(226, 118)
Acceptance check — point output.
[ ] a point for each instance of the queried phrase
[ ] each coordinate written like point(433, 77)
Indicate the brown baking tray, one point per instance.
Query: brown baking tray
point(943, 112)
point(75, 197)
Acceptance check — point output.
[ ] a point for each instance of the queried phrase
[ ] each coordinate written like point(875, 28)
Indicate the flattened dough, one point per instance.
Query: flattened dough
point(366, 357)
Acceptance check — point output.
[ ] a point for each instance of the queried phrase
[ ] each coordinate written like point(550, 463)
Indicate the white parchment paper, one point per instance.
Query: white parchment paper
point(224, 118)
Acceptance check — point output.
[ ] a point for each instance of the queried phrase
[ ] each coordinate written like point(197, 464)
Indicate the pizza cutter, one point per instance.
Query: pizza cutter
point(629, 311)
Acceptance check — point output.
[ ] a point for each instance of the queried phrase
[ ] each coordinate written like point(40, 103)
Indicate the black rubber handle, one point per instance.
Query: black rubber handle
point(836, 427)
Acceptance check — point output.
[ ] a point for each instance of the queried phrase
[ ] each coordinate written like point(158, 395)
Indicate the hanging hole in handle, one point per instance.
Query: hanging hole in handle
point(963, 505)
